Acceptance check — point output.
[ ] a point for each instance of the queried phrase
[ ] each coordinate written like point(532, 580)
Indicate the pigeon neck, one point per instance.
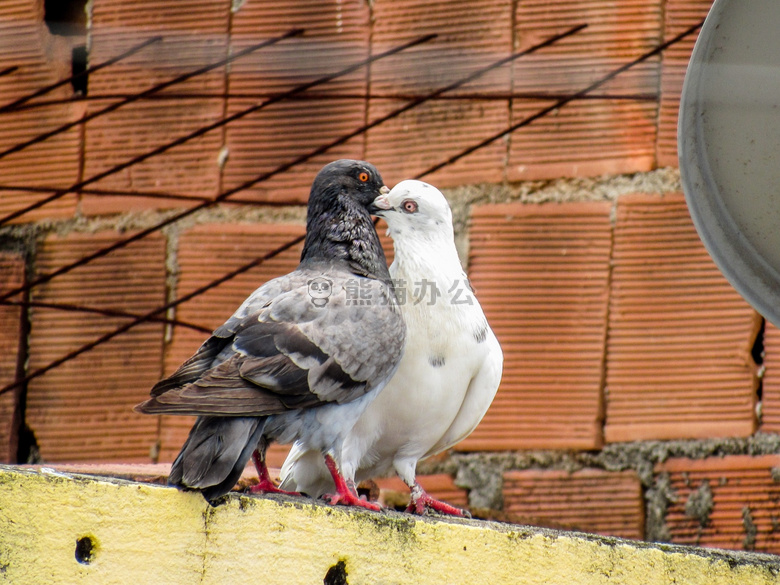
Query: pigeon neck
point(432, 256)
point(344, 234)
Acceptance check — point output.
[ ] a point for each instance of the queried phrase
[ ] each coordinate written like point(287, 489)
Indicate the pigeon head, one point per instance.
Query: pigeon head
point(415, 209)
point(354, 179)
point(338, 223)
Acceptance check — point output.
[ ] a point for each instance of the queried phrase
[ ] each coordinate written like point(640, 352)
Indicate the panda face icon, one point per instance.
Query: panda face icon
point(320, 289)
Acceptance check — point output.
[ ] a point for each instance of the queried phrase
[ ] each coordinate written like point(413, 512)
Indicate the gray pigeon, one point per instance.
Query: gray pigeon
point(451, 366)
point(302, 357)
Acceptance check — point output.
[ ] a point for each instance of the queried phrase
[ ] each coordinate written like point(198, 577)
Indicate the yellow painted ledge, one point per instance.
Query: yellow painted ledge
point(134, 533)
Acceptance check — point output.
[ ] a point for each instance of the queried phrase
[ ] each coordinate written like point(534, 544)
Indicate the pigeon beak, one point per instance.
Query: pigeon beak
point(381, 203)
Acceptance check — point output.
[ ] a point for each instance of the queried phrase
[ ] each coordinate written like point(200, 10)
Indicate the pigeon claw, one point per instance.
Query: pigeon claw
point(346, 493)
point(266, 486)
point(422, 502)
point(350, 499)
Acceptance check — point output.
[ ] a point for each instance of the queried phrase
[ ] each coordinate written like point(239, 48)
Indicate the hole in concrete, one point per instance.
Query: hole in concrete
point(85, 550)
point(336, 575)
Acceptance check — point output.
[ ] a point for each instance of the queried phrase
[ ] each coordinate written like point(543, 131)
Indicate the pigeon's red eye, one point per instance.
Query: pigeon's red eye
point(409, 206)
point(363, 177)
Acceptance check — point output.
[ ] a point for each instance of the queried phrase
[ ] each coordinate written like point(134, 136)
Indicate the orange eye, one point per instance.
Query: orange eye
point(363, 176)
point(409, 206)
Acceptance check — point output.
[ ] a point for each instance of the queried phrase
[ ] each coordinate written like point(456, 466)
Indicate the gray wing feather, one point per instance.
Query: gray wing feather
point(280, 351)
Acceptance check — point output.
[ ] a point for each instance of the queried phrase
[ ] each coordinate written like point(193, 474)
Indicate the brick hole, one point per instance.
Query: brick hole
point(28, 452)
point(68, 18)
point(757, 352)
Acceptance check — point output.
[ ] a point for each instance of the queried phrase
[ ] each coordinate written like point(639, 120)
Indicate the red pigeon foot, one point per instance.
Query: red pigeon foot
point(422, 501)
point(349, 499)
point(266, 485)
point(346, 494)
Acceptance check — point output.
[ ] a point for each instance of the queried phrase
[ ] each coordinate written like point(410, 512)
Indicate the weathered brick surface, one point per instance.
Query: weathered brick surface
point(12, 269)
point(541, 274)
point(679, 342)
point(82, 409)
point(589, 500)
point(726, 502)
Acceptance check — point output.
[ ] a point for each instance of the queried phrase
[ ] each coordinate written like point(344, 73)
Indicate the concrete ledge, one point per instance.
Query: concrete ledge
point(61, 528)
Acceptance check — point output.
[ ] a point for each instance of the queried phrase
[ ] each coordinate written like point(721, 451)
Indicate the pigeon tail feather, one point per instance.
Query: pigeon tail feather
point(215, 454)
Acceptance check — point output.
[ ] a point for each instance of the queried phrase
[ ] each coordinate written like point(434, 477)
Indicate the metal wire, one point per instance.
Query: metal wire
point(331, 96)
point(147, 194)
point(108, 336)
point(139, 235)
point(152, 90)
point(8, 70)
point(104, 312)
point(14, 105)
point(204, 129)
point(528, 120)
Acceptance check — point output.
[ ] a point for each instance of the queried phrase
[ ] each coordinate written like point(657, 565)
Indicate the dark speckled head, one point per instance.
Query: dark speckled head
point(357, 178)
point(338, 224)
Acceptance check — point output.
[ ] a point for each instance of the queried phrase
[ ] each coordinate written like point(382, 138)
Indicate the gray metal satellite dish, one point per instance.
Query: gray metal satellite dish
point(729, 146)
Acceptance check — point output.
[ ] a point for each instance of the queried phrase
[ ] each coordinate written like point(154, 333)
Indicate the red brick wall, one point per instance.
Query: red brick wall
point(729, 502)
point(82, 409)
point(678, 357)
point(589, 500)
point(625, 128)
point(541, 273)
point(625, 349)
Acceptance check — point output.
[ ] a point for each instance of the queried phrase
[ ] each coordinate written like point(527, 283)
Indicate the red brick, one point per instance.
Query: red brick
point(470, 37)
point(82, 409)
point(586, 137)
point(678, 16)
point(336, 37)
point(590, 500)
point(541, 275)
point(42, 59)
point(194, 34)
point(736, 484)
point(11, 276)
point(680, 336)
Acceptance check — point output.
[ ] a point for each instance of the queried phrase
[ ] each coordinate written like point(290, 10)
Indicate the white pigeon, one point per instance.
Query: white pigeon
point(298, 361)
point(452, 361)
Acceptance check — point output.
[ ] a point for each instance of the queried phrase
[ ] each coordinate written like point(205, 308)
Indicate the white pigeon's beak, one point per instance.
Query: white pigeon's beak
point(381, 203)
